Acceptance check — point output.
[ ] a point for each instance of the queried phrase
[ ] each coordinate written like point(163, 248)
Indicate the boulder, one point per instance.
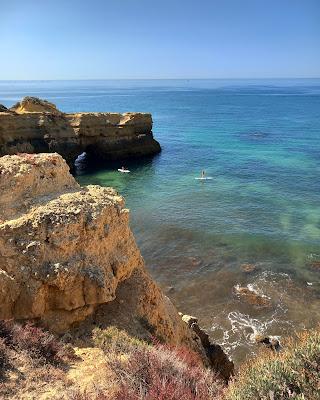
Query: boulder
point(271, 342)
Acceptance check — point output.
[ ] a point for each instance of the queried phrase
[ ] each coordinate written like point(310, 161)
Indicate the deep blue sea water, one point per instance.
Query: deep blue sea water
point(260, 141)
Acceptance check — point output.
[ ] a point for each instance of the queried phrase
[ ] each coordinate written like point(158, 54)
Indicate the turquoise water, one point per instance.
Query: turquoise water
point(260, 141)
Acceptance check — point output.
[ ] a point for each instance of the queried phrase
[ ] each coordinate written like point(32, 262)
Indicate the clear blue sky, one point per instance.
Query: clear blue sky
point(75, 39)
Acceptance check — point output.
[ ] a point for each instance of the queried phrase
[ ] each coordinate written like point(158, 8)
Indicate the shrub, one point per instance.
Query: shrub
point(152, 372)
point(115, 340)
point(163, 373)
point(40, 345)
point(291, 374)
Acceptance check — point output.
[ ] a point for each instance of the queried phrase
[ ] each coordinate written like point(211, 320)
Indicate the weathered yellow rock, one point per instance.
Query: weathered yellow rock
point(35, 126)
point(33, 104)
point(65, 250)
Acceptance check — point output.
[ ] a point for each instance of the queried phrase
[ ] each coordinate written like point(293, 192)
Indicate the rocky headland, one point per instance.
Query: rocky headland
point(69, 262)
point(37, 126)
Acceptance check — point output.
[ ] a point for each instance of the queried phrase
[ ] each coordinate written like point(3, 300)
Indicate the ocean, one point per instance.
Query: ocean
point(260, 142)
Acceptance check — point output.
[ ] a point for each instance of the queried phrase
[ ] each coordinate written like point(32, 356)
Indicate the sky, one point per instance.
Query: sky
point(137, 39)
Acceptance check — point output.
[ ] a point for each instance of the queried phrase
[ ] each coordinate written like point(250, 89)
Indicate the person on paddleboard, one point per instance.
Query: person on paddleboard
point(203, 172)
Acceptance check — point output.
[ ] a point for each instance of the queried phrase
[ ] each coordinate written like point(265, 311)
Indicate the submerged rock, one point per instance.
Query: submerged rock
point(251, 296)
point(315, 264)
point(195, 261)
point(248, 267)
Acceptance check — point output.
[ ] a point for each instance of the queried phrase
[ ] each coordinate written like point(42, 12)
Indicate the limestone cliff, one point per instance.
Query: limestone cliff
point(35, 126)
point(68, 259)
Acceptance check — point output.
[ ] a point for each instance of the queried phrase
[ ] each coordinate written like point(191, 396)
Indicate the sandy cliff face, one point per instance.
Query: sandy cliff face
point(63, 249)
point(68, 259)
point(34, 126)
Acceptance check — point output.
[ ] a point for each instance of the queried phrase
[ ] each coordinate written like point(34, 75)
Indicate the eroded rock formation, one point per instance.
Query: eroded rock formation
point(37, 126)
point(68, 259)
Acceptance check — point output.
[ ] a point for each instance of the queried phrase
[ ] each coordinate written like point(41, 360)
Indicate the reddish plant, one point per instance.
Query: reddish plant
point(4, 358)
point(39, 344)
point(164, 373)
point(189, 357)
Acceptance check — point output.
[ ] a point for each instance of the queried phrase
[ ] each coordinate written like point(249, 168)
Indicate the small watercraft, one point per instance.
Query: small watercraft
point(123, 170)
point(203, 176)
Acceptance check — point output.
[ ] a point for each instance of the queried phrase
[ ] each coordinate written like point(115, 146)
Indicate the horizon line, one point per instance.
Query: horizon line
point(153, 79)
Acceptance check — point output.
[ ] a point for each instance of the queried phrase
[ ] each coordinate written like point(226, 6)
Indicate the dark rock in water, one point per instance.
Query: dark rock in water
point(271, 342)
point(259, 134)
point(248, 267)
point(171, 289)
point(219, 360)
point(3, 108)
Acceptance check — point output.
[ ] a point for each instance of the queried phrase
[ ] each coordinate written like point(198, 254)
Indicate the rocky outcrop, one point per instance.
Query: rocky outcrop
point(35, 126)
point(69, 261)
point(217, 358)
point(33, 104)
point(271, 342)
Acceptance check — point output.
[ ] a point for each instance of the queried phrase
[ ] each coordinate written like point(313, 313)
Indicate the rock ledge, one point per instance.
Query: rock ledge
point(37, 126)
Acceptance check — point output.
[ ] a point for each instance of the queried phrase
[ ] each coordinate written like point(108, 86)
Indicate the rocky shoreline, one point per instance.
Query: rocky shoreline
point(69, 261)
point(37, 126)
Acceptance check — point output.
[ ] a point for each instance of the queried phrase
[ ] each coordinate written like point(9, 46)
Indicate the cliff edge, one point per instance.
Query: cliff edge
point(37, 126)
point(69, 261)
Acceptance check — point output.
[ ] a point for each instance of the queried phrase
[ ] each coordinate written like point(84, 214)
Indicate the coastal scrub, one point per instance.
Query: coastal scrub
point(293, 373)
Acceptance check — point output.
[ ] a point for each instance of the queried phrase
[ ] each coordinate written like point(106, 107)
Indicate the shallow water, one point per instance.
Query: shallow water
point(260, 141)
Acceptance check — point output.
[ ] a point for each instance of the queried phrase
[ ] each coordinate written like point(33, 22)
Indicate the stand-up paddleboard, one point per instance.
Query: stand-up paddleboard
point(204, 178)
point(124, 171)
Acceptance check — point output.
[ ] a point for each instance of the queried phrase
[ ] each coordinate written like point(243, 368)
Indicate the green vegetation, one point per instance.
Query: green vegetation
point(141, 371)
point(116, 341)
point(293, 373)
